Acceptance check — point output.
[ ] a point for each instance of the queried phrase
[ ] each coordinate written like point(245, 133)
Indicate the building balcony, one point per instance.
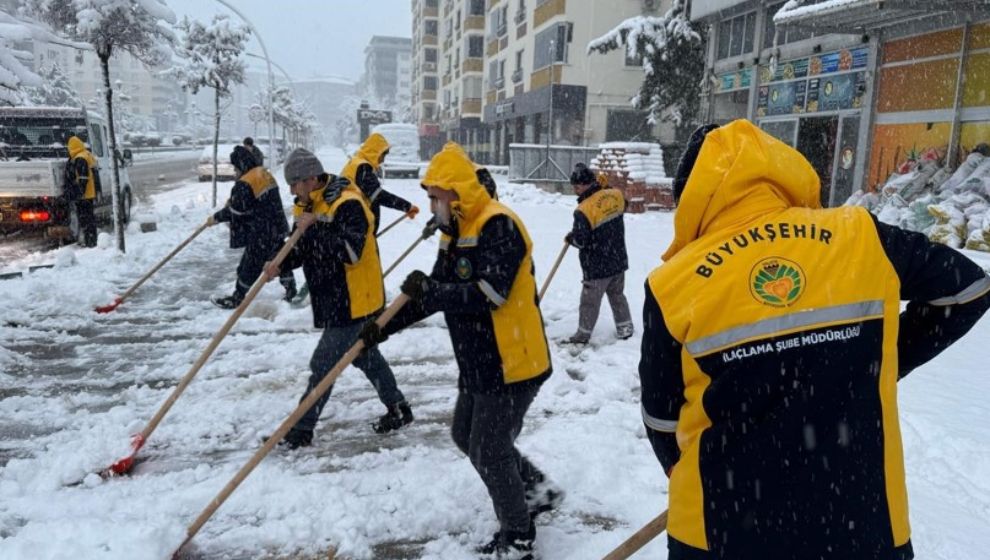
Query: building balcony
point(517, 75)
point(499, 82)
point(430, 40)
point(547, 10)
point(520, 16)
point(541, 78)
point(471, 106)
point(473, 65)
point(474, 23)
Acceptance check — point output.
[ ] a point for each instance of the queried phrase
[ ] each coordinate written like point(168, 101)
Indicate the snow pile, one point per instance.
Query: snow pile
point(923, 196)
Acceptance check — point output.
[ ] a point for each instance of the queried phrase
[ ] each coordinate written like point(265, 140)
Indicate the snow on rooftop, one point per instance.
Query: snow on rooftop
point(794, 9)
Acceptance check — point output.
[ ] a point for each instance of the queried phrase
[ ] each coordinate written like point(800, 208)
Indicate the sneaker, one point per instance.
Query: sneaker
point(625, 331)
point(398, 415)
point(295, 439)
point(228, 302)
point(542, 497)
point(510, 545)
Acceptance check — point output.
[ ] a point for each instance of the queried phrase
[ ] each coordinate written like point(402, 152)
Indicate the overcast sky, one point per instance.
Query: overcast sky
point(312, 37)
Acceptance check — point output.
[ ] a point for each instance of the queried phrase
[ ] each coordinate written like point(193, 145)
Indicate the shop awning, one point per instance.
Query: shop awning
point(851, 16)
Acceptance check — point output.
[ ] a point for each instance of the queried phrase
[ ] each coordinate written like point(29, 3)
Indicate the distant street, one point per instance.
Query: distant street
point(151, 174)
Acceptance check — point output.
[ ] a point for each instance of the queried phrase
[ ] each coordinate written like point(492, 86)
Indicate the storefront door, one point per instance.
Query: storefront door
point(816, 140)
point(844, 174)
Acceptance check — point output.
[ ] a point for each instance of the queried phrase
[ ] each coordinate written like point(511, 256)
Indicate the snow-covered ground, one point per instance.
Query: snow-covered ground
point(74, 385)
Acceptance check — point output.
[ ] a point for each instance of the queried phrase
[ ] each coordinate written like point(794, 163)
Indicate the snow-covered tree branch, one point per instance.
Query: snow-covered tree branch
point(134, 26)
point(672, 50)
point(212, 56)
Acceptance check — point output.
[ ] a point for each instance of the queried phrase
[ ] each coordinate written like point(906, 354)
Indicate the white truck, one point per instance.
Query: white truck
point(33, 156)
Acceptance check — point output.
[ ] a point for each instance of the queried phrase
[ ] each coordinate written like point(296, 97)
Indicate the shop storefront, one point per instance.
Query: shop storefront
point(933, 98)
point(815, 104)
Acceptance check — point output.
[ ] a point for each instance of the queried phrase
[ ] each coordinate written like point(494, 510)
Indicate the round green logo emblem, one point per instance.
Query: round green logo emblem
point(777, 281)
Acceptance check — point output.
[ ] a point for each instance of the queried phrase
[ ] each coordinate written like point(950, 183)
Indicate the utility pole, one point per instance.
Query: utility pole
point(546, 164)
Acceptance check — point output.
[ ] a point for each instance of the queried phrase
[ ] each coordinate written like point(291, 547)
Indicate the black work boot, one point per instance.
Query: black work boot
point(290, 289)
point(295, 439)
point(228, 302)
point(510, 545)
point(398, 415)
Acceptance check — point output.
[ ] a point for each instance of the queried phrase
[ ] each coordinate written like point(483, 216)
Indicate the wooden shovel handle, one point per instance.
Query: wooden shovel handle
point(288, 423)
point(639, 539)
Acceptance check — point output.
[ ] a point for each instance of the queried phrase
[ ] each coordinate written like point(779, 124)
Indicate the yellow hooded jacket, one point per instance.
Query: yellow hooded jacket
point(517, 324)
point(784, 407)
point(364, 290)
point(370, 153)
point(78, 150)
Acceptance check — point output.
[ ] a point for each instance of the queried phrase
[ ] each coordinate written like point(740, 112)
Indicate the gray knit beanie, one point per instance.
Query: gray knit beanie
point(302, 164)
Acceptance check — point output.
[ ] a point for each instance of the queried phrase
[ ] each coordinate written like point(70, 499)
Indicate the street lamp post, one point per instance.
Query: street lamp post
point(271, 81)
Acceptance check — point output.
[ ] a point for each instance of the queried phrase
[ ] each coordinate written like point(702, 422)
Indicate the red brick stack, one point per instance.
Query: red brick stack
point(636, 168)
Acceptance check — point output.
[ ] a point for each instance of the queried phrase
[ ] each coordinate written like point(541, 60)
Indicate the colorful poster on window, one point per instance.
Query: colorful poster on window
point(836, 93)
point(735, 80)
point(782, 99)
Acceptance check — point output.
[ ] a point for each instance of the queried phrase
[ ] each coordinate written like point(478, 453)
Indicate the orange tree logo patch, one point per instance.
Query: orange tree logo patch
point(776, 281)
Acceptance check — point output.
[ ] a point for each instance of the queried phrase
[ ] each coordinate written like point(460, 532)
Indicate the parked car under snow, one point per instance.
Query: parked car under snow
point(225, 169)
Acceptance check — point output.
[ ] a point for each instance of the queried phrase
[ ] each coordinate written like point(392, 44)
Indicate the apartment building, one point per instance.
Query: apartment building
point(388, 70)
point(425, 74)
point(538, 71)
point(461, 72)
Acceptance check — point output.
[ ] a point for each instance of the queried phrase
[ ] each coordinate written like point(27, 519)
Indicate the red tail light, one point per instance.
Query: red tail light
point(35, 215)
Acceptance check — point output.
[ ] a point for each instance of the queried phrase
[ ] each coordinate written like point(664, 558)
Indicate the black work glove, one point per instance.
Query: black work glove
point(569, 239)
point(371, 334)
point(416, 285)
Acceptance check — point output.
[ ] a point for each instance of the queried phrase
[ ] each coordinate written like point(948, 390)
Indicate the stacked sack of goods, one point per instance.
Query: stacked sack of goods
point(950, 208)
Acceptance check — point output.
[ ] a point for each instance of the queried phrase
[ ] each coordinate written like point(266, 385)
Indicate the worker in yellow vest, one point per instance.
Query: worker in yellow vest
point(83, 189)
point(773, 341)
point(339, 257)
point(599, 233)
point(257, 223)
point(483, 282)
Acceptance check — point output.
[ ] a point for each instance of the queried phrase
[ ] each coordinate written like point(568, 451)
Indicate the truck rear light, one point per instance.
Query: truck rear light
point(35, 215)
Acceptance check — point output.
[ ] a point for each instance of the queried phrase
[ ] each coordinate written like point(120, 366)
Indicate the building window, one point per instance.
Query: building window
point(430, 83)
point(735, 35)
point(476, 46)
point(430, 55)
point(472, 87)
point(499, 22)
point(432, 3)
point(431, 27)
point(553, 38)
point(788, 34)
point(476, 8)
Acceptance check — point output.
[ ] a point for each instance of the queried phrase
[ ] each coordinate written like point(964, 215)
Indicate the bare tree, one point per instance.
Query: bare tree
point(212, 56)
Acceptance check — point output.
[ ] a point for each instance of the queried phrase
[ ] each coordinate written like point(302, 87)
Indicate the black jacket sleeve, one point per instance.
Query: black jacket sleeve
point(501, 250)
point(348, 231)
point(661, 383)
point(241, 204)
point(581, 231)
point(372, 188)
point(946, 292)
point(414, 311)
point(79, 176)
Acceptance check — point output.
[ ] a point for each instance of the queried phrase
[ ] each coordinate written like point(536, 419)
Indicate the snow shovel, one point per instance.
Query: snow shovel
point(556, 265)
point(428, 231)
point(287, 424)
point(300, 298)
point(639, 539)
point(123, 466)
point(161, 263)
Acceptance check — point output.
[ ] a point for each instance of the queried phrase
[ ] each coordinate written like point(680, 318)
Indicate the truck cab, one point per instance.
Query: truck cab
point(33, 156)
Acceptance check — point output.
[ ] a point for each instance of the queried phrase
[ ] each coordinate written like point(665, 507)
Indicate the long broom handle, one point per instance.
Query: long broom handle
point(255, 288)
point(162, 262)
point(556, 265)
point(288, 423)
point(428, 232)
point(639, 539)
point(392, 225)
